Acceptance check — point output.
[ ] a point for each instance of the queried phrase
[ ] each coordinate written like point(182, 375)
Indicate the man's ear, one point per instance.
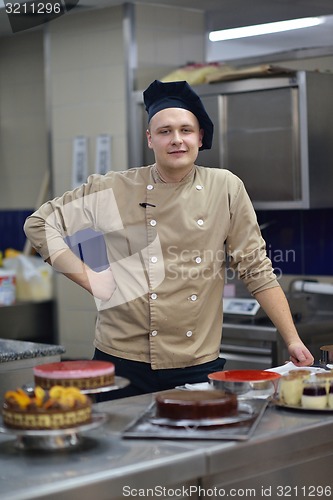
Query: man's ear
point(201, 134)
point(148, 135)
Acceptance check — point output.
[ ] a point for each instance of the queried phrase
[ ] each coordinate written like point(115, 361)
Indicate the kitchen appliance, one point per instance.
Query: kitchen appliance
point(251, 341)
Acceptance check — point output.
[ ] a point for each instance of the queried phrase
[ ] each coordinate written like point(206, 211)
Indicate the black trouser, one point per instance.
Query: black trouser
point(145, 380)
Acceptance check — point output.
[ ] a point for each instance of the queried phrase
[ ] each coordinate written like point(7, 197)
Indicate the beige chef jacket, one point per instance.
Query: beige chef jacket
point(167, 245)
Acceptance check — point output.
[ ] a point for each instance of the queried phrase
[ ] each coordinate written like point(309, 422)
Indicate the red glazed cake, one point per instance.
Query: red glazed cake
point(196, 405)
point(59, 408)
point(85, 375)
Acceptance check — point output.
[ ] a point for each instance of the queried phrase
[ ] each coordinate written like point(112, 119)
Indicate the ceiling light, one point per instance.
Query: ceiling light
point(264, 29)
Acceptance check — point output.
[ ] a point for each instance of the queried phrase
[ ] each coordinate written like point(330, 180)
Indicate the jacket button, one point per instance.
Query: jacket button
point(189, 333)
point(153, 296)
point(153, 259)
point(150, 187)
point(198, 260)
point(200, 222)
point(154, 333)
point(193, 297)
point(198, 187)
point(153, 222)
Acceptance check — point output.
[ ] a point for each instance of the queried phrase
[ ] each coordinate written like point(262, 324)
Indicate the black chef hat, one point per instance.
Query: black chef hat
point(161, 95)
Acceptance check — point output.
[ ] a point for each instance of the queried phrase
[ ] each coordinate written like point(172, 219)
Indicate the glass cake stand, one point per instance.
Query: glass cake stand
point(57, 439)
point(119, 383)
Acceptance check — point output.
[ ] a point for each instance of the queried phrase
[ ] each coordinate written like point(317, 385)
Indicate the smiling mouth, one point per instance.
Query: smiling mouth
point(177, 152)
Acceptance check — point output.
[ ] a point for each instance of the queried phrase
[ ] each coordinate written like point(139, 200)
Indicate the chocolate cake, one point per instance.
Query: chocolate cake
point(195, 405)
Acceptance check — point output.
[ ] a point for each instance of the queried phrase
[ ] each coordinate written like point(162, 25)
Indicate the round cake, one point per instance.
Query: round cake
point(59, 408)
point(85, 374)
point(196, 405)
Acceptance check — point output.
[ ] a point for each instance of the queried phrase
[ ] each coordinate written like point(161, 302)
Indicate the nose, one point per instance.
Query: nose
point(176, 137)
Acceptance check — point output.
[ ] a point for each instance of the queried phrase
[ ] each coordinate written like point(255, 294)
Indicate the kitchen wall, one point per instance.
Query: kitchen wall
point(87, 97)
point(85, 78)
point(167, 38)
point(23, 137)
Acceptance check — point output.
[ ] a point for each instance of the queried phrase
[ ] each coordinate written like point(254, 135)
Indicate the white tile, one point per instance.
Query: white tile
point(168, 50)
point(67, 88)
point(103, 84)
point(67, 122)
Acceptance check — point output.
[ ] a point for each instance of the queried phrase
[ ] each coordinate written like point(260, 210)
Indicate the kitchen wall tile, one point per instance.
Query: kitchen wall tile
point(168, 36)
point(23, 139)
point(192, 21)
point(299, 241)
point(103, 83)
point(67, 87)
point(62, 156)
point(77, 298)
point(168, 49)
point(11, 228)
point(92, 20)
point(104, 118)
point(119, 144)
point(146, 48)
point(318, 242)
point(191, 45)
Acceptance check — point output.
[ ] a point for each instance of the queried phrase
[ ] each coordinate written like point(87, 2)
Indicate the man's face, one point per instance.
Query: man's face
point(175, 138)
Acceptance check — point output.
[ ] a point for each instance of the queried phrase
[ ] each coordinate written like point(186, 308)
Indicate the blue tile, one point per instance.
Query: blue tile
point(299, 241)
point(282, 231)
point(318, 242)
point(11, 228)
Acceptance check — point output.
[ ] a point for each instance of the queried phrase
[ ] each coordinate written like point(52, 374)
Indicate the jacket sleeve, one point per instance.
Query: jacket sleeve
point(246, 247)
point(48, 227)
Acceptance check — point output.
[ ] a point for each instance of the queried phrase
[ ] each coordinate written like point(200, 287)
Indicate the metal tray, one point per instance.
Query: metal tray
point(281, 404)
point(240, 428)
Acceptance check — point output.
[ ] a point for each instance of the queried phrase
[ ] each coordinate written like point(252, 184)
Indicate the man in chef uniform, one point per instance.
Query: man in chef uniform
point(169, 230)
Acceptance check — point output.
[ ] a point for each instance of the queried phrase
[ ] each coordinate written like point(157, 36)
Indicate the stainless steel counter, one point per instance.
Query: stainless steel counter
point(29, 321)
point(17, 357)
point(289, 449)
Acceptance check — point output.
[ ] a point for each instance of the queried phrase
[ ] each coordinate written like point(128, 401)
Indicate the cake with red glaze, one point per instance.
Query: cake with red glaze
point(85, 374)
point(58, 408)
point(196, 405)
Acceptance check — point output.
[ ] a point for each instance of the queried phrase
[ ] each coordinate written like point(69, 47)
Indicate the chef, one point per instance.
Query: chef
point(169, 229)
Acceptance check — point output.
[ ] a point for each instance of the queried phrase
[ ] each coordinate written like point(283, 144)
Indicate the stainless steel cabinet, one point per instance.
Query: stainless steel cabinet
point(276, 134)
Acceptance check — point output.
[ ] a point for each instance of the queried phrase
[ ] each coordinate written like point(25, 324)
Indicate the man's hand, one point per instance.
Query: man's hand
point(299, 354)
point(102, 284)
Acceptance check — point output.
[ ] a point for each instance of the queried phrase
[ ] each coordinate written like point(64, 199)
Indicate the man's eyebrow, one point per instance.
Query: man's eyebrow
point(170, 125)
